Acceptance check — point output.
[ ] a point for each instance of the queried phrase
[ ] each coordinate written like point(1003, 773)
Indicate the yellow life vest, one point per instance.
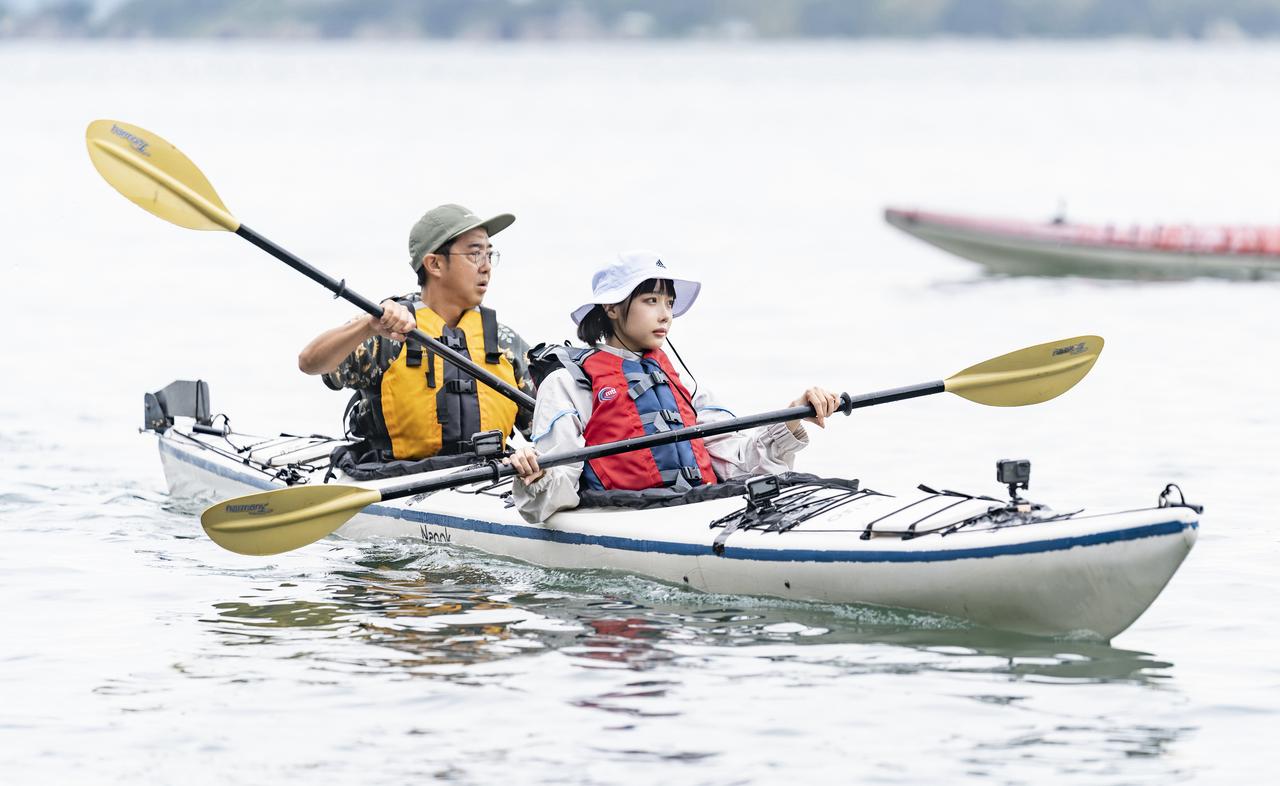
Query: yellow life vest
point(431, 407)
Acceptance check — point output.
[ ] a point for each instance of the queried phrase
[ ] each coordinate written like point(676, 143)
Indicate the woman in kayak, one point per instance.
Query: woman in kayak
point(624, 386)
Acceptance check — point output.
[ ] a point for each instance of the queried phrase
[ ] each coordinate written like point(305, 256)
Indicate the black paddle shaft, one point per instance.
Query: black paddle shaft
point(495, 471)
point(339, 289)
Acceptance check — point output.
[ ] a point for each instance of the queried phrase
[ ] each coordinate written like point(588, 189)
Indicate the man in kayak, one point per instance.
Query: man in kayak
point(622, 386)
point(411, 404)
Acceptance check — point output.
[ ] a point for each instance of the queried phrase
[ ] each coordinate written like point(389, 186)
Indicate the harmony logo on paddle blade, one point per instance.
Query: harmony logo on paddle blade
point(255, 509)
point(135, 141)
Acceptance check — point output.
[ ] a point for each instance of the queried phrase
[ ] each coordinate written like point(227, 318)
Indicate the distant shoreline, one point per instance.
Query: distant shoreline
point(626, 21)
point(940, 41)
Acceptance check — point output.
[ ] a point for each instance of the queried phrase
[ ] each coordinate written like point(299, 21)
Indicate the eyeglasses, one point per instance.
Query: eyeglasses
point(476, 257)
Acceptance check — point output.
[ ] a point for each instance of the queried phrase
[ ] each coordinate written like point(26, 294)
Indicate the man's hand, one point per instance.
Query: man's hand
point(396, 322)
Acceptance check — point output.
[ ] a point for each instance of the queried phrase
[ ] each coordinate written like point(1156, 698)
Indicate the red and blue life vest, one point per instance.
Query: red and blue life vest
point(634, 398)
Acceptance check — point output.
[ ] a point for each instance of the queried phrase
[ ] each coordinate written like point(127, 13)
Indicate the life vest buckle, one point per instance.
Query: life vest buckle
point(460, 386)
point(662, 419)
point(639, 384)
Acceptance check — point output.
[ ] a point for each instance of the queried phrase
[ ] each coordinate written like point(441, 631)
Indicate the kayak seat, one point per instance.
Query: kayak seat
point(361, 461)
point(671, 496)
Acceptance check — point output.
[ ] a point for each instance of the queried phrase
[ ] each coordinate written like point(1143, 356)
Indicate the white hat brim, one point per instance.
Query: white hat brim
point(686, 292)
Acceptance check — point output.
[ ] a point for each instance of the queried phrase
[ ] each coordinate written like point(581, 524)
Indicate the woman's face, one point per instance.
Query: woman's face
point(644, 325)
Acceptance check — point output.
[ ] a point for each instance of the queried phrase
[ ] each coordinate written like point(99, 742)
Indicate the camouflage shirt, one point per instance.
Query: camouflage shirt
point(363, 368)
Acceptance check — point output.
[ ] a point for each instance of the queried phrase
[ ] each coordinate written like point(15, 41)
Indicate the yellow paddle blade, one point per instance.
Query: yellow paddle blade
point(155, 176)
point(1028, 376)
point(272, 522)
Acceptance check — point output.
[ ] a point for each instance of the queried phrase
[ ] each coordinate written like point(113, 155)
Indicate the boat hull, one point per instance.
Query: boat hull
point(1037, 252)
point(1082, 575)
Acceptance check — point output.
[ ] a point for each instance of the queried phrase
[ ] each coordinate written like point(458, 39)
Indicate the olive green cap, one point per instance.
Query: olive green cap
point(441, 224)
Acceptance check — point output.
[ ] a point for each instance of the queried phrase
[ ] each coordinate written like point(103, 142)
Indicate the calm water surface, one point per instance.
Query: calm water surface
point(134, 650)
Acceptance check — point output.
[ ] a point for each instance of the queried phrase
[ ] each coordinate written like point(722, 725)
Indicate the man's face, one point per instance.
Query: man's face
point(459, 275)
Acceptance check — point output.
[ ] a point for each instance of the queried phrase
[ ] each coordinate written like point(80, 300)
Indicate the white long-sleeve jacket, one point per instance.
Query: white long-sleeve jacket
point(564, 408)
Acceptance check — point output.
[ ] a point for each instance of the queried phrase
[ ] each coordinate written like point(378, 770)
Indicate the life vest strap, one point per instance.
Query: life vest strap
point(412, 353)
point(639, 384)
point(352, 403)
point(682, 478)
point(546, 358)
point(662, 419)
point(489, 329)
point(412, 349)
point(366, 420)
point(574, 368)
point(442, 416)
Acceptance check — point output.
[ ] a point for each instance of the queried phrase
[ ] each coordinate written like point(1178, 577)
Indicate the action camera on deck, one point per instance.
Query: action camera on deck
point(762, 489)
point(1014, 473)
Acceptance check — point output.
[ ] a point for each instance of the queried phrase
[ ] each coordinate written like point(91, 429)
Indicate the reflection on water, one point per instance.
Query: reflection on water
point(484, 662)
point(647, 658)
point(442, 609)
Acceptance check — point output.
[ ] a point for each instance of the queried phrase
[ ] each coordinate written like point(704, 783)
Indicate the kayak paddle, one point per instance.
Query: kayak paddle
point(157, 177)
point(271, 522)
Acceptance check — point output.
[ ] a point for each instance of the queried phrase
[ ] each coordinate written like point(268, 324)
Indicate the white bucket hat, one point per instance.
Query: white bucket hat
point(613, 283)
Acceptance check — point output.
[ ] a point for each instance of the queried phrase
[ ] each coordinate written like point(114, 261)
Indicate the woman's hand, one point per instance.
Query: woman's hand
point(824, 403)
point(525, 462)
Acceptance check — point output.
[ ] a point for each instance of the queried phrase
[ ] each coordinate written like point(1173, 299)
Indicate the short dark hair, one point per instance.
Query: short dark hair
point(596, 325)
point(442, 251)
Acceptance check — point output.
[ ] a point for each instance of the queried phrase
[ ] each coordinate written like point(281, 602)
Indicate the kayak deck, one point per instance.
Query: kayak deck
point(1032, 570)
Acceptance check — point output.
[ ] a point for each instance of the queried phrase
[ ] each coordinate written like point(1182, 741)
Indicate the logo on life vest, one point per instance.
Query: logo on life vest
point(607, 394)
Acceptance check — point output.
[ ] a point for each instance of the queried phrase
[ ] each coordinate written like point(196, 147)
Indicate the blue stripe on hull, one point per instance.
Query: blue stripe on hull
point(730, 552)
point(217, 469)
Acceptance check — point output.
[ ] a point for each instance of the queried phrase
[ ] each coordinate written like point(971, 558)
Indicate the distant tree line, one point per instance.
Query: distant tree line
point(622, 19)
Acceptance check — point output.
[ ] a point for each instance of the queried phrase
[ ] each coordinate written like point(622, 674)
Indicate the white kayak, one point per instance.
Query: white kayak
point(1009, 565)
point(1021, 567)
